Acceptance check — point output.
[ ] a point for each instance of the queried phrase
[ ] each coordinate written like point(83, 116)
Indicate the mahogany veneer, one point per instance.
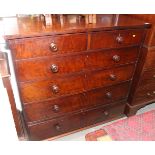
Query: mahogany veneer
point(73, 75)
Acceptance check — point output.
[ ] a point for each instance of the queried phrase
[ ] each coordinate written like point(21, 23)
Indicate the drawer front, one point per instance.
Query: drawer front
point(103, 39)
point(120, 38)
point(109, 77)
point(54, 127)
point(48, 46)
point(148, 77)
point(150, 60)
point(129, 37)
point(59, 126)
point(49, 67)
point(110, 58)
point(103, 113)
point(45, 89)
point(53, 108)
point(108, 95)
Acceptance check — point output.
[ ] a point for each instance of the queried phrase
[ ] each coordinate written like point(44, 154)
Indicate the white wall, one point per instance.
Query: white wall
point(7, 126)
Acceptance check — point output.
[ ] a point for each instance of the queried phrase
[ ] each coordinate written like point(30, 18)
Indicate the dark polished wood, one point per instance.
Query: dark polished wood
point(42, 68)
point(112, 58)
point(46, 89)
point(53, 108)
point(40, 46)
point(57, 107)
point(72, 122)
point(150, 59)
point(109, 39)
point(142, 92)
point(109, 77)
point(71, 74)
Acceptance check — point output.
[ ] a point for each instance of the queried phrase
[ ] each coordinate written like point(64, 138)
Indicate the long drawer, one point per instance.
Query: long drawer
point(32, 69)
point(120, 38)
point(111, 58)
point(64, 105)
point(62, 125)
point(48, 45)
point(51, 88)
point(109, 77)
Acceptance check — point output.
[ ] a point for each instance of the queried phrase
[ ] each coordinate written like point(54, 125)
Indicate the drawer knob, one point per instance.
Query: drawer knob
point(119, 39)
point(54, 68)
point(112, 77)
point(56, 108)
point(57, 127)
point(108, 95)
point(153, 76)
point(116, 58)
point(148, 94)
point(106, 113)
point(55, 89)
point(53, 47)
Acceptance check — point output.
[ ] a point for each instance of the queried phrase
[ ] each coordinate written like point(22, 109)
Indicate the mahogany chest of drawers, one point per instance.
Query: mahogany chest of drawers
point(70, 78)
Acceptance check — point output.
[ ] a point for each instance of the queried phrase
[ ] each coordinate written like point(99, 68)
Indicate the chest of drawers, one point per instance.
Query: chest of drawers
point(73, 78)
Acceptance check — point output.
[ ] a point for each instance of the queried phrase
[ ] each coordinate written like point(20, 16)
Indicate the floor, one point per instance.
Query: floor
point(80, 136)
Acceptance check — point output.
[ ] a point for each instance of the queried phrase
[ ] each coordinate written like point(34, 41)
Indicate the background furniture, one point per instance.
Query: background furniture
point(143, 92)
point(74, 74)
point(5, 75)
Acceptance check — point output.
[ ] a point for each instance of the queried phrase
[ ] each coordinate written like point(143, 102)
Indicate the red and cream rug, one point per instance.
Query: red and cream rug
point(136, 128)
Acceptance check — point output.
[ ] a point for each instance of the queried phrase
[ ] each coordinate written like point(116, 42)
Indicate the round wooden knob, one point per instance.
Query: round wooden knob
point(55, 89)
point(57, 127)
point(54, 68)
point(154, 76)
point(116, 58)
point(108, 95)
point(119, 39)
point(148, 94)
point(53, 47)
point(56, 108)
point(106, 113)
point(112, 77)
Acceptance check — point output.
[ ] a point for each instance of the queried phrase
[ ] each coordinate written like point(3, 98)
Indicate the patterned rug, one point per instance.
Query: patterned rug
point(136, 128)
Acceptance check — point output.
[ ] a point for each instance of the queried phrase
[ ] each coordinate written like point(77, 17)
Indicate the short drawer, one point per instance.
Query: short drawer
point(54, 108)
point(103, 39)
point(107, 95)
point(118, 38)
point(32, 69)
point(150, 59)
point(48, 45)
point(129, 37)
point(103, 113)
point(99, 78)
point(46, 89)
point(72, 122)
point(110, 58)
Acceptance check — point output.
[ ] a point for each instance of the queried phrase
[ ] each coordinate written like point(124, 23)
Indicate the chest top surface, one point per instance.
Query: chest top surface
point(19, 27)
